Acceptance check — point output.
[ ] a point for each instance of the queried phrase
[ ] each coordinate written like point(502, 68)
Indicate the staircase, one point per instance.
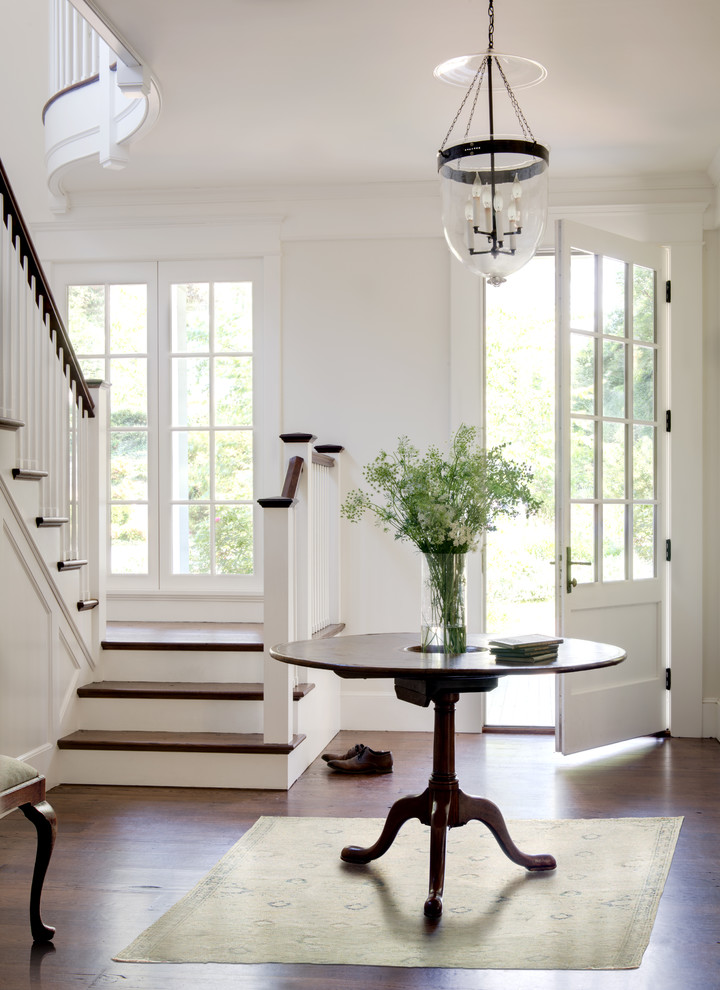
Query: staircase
point(91, 702)
point(153, 722)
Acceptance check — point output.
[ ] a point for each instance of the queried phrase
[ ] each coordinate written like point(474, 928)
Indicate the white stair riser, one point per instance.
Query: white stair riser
point(181, 665)
point(144, 769)
point(170, 715)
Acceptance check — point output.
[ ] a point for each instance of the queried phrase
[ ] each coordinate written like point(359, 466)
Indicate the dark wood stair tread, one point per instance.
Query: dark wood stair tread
point(176, 742)
point(244, 636)
point(186, 690)
point(230, 636)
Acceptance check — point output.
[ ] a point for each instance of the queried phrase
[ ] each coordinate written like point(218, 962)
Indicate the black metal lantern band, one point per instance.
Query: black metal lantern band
point(496, 146)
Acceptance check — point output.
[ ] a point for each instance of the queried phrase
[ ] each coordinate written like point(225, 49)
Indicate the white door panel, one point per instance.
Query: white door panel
point(611, 482)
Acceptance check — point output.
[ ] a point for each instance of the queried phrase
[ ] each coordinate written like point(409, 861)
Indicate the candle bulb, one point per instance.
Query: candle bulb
point(498, 205)
point(512, 220)
point(516, 188)
point(469, 216)
point(487, 204)
point(477, 194)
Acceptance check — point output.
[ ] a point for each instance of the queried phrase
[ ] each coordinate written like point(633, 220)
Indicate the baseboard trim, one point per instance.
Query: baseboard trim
point(711, 718)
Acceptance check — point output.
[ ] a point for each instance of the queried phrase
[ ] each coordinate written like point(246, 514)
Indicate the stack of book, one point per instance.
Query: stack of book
point(532, 648)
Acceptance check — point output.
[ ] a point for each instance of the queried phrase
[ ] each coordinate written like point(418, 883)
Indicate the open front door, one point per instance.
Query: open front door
point(611, 482)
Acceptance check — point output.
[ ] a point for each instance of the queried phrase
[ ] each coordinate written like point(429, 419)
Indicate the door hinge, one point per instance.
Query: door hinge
point(668, 291)
point(668, 550)
point(668, 678)
point(668, 421)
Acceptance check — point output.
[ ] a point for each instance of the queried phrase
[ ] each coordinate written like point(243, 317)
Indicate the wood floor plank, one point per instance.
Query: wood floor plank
point(124, 854)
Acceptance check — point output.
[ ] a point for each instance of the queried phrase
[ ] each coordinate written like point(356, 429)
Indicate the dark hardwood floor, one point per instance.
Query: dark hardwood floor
point(124, 855)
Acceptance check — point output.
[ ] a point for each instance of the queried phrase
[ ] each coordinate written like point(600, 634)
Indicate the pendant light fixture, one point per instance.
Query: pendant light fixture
point(494, 188)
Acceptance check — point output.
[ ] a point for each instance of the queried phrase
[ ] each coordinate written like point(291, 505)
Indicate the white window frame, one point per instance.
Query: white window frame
point(159, 276)
point(169, 274)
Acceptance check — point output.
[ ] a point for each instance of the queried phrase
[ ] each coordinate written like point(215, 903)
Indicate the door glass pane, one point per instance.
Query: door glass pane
point(233, 465)
point(129, 465)
point(643, 382)
point(234, 539)
point(129, 539)
point(613, 460)
point(233, 316)
point(613, 542)
point(233, 391)
point(643, 541)
point(582, 533)
point(86, 318)
point(613, 294)
point(643, 303)
point(582, 453)
point(644, 462)
point(191, 317)
point(582, 291)
point(613, 379)
point(191, 465)
point(582, 373)
point(191, 391)
point(128, 319)
point(191, 539)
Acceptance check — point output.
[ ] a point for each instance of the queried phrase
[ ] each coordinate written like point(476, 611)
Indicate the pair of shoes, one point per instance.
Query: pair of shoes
point(366, 761)
point(353, 751)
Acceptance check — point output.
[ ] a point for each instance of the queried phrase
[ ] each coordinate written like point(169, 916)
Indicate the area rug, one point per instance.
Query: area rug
point(282, 895)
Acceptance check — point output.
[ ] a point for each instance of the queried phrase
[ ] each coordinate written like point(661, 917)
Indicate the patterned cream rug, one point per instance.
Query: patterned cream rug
point(282, 895)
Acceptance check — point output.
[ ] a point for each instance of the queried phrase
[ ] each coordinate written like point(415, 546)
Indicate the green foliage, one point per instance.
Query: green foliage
point(443, 504)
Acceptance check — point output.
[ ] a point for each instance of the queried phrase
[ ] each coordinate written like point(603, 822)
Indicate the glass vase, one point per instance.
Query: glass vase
point(443, 623)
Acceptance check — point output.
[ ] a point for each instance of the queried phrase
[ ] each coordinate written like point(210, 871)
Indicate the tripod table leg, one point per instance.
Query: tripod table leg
point(480, 809)
point(402, 811)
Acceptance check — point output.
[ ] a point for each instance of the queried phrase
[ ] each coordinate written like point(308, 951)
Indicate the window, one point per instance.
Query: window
point(108, 330)
point(212, 428)
point(180, 348)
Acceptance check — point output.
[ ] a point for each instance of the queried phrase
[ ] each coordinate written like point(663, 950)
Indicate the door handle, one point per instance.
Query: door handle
point(571, 581)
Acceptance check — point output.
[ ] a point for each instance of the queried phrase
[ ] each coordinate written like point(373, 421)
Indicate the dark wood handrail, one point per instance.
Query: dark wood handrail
point(292, 477)
point(292, 480)
point(17, 228)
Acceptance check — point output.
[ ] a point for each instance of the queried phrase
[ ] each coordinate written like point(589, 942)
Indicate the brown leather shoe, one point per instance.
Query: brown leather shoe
point(353, 751)
point(366, 761)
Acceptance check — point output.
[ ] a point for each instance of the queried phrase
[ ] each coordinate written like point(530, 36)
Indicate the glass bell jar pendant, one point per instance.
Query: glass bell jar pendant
point(494, 188)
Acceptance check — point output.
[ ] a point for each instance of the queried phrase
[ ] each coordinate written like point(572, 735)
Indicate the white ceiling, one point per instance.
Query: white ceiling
point(259, 92)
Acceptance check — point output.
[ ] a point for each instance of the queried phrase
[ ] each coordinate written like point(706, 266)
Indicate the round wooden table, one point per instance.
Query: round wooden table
point(441, 678)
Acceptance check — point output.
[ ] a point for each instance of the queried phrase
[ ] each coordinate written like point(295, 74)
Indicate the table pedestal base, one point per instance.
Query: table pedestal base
point(442, 805)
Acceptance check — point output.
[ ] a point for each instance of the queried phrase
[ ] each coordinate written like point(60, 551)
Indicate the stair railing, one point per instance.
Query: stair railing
point(301, 567)
point(44, 397)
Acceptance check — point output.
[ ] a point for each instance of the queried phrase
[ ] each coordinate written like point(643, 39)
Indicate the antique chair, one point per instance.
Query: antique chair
point(21, 786)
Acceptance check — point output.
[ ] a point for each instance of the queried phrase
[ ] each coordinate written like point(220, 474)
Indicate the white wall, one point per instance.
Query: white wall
point(365, 343)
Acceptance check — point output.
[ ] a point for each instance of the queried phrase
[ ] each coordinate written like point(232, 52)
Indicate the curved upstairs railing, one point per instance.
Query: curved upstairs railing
point(301, 566)
point(103, 96)
point(44, 397)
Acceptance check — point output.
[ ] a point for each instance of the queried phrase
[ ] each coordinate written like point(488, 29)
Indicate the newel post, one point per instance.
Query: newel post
point(284, 609)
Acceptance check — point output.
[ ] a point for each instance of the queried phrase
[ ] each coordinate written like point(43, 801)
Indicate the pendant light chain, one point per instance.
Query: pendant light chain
point(516, 106)
point(477, 82)
point(491, 25)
